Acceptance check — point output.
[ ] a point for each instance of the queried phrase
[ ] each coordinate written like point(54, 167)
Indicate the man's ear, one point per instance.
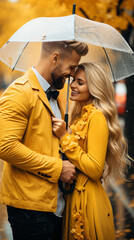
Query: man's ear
point(55, 57)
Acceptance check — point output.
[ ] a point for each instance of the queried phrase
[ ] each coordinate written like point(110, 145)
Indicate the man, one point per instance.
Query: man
point(30, 149)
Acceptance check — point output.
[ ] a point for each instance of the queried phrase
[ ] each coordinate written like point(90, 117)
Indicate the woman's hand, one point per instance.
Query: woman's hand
point(59, 127)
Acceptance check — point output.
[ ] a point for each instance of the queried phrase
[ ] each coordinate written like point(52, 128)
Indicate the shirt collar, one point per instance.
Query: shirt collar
point(44, 84)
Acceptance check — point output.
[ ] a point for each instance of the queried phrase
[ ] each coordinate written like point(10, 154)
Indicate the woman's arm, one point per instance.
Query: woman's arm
point(92, 162)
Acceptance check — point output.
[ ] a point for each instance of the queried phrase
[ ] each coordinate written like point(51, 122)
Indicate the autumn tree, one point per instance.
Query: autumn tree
point(117, 13)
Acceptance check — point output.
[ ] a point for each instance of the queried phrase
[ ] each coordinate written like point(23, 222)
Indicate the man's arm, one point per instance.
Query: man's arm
point(14, 114)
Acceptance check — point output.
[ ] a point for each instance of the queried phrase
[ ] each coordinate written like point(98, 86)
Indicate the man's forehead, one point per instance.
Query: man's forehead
point(75, 54)
point(75, 58)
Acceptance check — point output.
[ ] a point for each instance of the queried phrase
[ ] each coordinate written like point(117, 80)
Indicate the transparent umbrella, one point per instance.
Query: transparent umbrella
point(106, 45)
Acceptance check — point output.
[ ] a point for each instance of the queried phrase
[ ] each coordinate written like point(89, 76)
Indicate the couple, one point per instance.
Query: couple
point(31, 130)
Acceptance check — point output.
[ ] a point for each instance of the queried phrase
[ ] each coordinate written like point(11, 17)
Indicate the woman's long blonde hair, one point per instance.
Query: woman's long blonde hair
point(101, 88)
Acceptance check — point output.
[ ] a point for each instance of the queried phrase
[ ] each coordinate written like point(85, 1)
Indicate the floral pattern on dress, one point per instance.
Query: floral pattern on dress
point(70, 143)
point(78, 230)
point(79, 130)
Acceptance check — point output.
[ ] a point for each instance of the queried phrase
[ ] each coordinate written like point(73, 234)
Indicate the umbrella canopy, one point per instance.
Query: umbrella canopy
point(106, 45)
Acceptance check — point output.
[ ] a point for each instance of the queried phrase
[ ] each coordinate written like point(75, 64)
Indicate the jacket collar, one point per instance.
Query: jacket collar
point(34, 83)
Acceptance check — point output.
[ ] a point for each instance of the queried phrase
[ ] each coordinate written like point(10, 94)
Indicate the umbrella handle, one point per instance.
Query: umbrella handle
point(66, 120)
point(72, 186)
point(69, 191)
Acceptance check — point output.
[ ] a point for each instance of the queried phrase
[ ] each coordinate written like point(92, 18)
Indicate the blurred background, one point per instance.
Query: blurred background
point(120, 15)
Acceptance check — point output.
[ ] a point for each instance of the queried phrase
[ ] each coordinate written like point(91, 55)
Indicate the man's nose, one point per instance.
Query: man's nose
point(72, 73)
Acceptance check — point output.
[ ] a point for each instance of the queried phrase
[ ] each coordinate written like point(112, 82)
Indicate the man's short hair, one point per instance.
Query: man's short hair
point(65, 48)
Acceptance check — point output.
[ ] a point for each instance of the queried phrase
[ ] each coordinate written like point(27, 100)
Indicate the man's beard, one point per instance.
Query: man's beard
point(59, 82)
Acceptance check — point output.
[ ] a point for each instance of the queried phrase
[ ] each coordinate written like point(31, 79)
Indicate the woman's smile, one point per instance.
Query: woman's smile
point(79, 87)
point(73, 92)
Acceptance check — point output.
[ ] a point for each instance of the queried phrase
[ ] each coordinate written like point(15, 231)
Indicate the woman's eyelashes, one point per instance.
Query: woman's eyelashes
point(79, 82)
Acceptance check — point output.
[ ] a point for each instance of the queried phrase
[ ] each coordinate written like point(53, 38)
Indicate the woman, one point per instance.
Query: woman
point(96, 147)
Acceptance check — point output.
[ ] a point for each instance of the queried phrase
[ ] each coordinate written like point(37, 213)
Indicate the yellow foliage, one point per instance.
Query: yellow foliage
point(46, 8)
point(129, 5)
point(14, 15)
point(105, 11)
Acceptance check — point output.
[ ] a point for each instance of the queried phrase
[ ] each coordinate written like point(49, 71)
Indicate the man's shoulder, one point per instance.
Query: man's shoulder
point(21, 85)
point(21, 80)
point(26, 78)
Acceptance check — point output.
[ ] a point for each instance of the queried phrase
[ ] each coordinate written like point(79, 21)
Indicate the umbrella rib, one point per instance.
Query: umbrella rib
point(109, 64)
point(19, 56)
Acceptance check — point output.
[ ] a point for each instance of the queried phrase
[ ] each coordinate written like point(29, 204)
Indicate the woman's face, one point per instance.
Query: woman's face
point(79, 89)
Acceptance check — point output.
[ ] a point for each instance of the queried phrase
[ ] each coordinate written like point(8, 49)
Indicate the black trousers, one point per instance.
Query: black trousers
point(34, 225)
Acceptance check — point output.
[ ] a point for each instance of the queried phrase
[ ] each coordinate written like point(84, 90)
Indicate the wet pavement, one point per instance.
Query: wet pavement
point(121, 195)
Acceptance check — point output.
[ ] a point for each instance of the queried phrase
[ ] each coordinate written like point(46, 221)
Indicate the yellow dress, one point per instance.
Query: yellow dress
point(88, 213)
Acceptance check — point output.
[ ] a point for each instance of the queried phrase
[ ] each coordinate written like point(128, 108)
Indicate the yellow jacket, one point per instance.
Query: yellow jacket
point(88, 213)
point(28, 147)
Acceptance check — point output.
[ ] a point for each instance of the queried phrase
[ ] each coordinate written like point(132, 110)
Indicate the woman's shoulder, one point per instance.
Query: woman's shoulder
point(91, 113)
point(97, 113)
point(98, 118)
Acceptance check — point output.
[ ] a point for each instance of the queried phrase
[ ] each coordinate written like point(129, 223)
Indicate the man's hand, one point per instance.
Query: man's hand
point(68, 173)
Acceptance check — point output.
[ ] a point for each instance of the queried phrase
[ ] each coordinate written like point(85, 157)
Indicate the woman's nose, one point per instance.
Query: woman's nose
point(73, 84)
